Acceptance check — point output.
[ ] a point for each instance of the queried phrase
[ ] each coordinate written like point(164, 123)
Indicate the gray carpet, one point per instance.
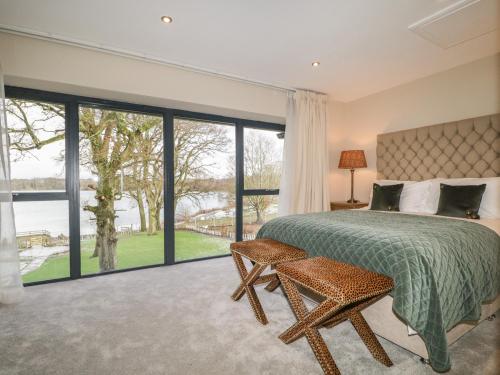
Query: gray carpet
point(181, 320)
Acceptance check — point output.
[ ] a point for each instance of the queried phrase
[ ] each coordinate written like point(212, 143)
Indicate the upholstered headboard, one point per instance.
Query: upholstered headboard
point(466, 148)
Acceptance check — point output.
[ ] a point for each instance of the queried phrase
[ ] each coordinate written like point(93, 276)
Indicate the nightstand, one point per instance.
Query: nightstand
point(346, 206)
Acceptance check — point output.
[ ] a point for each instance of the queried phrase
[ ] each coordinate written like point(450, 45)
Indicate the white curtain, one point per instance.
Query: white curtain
point(11, 286)
point(304, 181)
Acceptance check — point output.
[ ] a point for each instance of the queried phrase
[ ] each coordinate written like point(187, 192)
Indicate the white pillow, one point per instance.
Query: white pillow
point(490, 203)
point(414, 196)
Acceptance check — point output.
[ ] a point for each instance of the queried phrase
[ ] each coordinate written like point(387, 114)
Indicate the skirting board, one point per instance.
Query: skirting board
point(385, 323)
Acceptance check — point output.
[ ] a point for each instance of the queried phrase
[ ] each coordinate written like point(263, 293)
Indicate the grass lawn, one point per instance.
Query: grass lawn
point(134, 251)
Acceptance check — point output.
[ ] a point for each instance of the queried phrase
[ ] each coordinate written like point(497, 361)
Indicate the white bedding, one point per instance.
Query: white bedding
point(493, 224)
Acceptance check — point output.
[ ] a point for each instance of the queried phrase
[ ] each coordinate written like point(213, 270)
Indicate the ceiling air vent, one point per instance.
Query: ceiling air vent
point(459, 22)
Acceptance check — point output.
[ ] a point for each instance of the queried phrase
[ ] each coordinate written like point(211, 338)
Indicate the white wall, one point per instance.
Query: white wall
point(45, 65)
point(466, 91)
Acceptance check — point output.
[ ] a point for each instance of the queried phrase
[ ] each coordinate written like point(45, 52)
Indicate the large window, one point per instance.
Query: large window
point(103, 186)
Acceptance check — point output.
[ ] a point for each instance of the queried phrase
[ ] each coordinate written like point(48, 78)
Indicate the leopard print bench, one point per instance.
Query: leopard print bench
point(263, 253)
point(346, 289)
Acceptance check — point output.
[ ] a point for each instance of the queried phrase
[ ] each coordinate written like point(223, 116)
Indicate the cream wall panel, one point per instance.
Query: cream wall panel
point(467, 91)
point(53, 66)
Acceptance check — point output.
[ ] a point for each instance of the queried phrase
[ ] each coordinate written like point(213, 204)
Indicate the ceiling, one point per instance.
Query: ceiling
point(364, 46)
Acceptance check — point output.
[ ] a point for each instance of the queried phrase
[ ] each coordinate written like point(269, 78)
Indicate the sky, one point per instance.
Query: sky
point(46, 162)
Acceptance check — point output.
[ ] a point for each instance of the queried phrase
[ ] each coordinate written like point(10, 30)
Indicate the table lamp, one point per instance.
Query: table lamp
point(352, 159)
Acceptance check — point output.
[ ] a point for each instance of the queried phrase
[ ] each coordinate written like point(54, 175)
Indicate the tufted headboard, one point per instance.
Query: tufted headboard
point(466, 148)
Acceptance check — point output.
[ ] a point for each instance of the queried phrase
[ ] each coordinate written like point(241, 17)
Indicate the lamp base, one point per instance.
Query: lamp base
point(352, 201)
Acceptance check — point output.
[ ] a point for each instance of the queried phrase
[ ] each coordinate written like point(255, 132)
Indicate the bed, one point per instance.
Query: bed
point(446, 270)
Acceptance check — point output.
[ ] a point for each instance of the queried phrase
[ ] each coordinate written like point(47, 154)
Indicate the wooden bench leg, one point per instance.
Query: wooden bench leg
point(269, 278)
point(345, 313)
point(271, 287)
point(369, 338)
point(305, 319)
point(304, 327)
point(247, 281)
point(321, 352)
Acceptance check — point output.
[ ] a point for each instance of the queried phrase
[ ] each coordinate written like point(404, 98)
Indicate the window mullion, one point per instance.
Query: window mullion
point(73, 187)
point(168, 173)
point(239, 180)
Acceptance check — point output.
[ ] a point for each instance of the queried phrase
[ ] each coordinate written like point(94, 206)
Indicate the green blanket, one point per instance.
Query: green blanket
point(443, 268)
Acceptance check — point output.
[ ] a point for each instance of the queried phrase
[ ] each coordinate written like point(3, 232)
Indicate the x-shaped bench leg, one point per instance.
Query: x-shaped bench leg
point(271, 287)
point(306, 325)
point(328, 314)
point(369, 338)
point(363, 329)
point(248, 280)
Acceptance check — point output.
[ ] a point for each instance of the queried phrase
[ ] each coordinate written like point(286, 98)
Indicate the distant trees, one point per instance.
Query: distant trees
point(194, 144)
point(144, 172)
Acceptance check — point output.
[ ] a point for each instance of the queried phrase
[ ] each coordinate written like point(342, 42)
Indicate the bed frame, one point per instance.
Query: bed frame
point(385, 323)
point(467, 148)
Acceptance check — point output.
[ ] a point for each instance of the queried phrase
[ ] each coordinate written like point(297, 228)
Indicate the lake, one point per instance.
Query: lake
point(53, 215)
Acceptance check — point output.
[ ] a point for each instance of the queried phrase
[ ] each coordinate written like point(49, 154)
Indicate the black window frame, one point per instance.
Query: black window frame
point(72, 194)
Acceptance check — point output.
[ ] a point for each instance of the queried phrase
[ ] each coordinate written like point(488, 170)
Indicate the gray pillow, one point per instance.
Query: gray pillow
point(460, 200)
point(386, 198)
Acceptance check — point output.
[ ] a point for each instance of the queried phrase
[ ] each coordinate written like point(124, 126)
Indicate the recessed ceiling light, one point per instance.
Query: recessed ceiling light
point(315, 64)
point(167, 19)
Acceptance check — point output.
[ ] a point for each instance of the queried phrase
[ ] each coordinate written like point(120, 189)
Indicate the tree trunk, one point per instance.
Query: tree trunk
point(142, 211)
point(152, 219)
point(106, 237)
point(151, 212)
point(95, 254)
point(158, 216)
point(259, 219)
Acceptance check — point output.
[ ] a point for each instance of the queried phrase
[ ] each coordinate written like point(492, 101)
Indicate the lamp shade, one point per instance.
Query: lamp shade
point(352, 159)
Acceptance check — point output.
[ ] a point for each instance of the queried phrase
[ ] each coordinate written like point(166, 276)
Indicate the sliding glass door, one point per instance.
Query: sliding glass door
point(102, 186)
point(204, 188)
point(121, 189)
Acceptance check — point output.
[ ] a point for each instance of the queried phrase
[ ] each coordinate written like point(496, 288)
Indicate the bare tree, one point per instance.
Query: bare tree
point(144, 173)
point(135, 191)
point(194, 142)
point(30, 132)
point(262, 171)
point(107, 141)
point(153, 179)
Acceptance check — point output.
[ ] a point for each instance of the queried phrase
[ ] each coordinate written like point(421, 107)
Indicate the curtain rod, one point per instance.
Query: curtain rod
point(22, 31)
